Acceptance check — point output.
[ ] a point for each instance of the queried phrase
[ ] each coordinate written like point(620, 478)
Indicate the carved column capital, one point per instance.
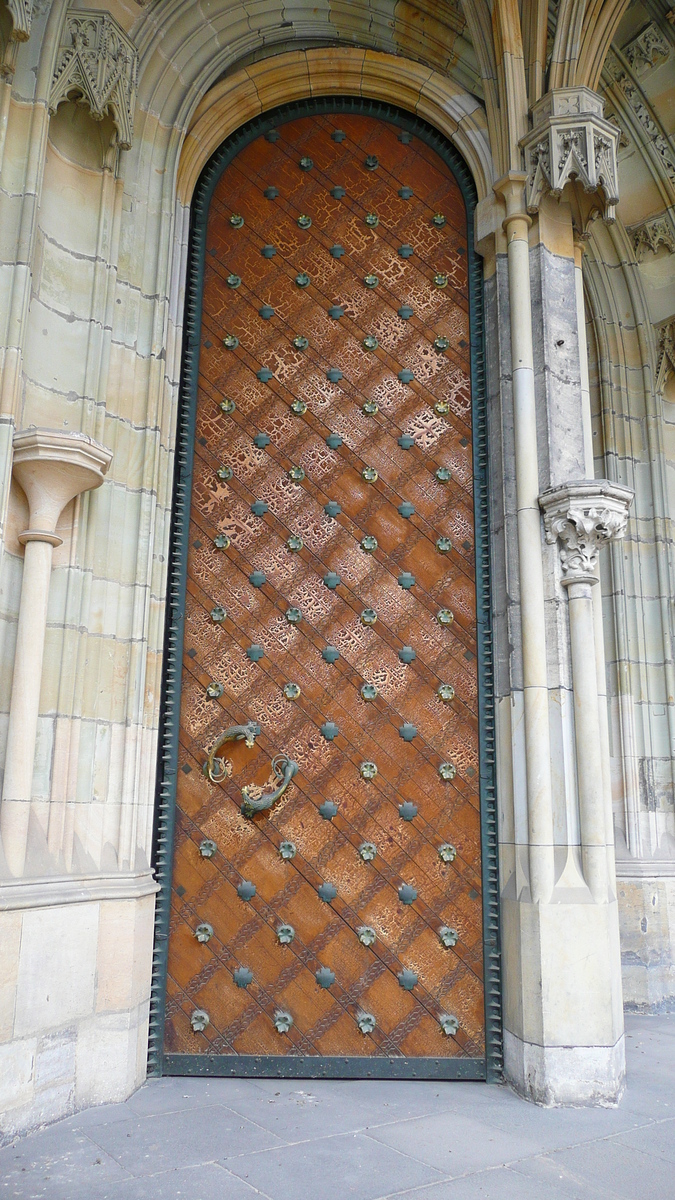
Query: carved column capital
point(583, 516)
point(571, 142)
point(97, 62)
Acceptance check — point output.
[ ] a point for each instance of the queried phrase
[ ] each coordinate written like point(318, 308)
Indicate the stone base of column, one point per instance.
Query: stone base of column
point(563, 1011)
point(565, 1075)
point(77, 958)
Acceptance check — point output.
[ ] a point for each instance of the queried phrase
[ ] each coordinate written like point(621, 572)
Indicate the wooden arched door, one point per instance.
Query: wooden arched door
point(330, 623)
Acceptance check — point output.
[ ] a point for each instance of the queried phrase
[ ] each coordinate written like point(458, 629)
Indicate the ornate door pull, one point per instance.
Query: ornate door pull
point(284, 768)
point(217, 769)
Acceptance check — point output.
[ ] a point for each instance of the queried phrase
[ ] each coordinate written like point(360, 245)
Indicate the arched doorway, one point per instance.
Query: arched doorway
point(331, 607)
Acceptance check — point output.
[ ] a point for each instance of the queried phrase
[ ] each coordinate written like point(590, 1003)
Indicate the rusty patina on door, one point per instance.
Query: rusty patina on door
point(331, 615)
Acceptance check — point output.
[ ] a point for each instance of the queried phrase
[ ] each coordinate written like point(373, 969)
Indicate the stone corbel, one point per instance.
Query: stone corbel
point(583, 516)
point(572, 143)
point(97, 63)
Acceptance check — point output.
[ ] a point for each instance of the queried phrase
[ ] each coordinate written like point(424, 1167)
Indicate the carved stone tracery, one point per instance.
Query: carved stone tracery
point(583, 516)
point(647, 50)
point(98, 63)
point(652, 234)
point(570, 142)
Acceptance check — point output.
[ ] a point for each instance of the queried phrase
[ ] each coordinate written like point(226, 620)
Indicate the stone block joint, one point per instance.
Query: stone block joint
point(98, 63)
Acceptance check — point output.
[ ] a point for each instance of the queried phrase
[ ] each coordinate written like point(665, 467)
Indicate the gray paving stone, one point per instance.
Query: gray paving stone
point(502, 1183)
point(551, 1128)
point(305, 1112)
point(197, 1139)
point(606, 1169)
point(208, 1182)
point(181, 1092)
point(56, 1162)
point(657, 1138)
point(455, 1144)
point(332, 1168)
point(148, 1145)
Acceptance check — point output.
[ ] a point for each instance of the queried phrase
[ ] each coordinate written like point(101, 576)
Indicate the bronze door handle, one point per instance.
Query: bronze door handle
point(284, 768)
point(236, 733)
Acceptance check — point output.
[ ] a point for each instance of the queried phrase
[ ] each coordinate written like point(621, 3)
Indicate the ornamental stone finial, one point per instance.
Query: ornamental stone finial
point(99, 63)
point(584, 515)
point(571, 141)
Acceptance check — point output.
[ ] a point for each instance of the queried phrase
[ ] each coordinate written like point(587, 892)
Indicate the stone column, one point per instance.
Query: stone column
point(535, 684)
point(563, 1019)
point(582, 516)
point(52, 467)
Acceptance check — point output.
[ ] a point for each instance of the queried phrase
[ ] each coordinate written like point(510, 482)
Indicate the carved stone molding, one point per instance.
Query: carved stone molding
point(650, 235)
point(570, 142)
point(665, 365)
point(21, 12)
point(583, 516)
point(638, 104)
point(647, 50)
point(98, 63)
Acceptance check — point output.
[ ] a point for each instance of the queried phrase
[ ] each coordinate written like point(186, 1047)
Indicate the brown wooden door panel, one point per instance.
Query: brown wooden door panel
point(390, 996)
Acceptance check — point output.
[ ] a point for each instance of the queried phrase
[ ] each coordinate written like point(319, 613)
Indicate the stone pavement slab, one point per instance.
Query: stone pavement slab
point(238, 1139)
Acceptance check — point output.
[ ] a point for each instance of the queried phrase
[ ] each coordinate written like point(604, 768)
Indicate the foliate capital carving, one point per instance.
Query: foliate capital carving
point(571, 142)
point(21, 12)
point(583, 516)
point(98, 63)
